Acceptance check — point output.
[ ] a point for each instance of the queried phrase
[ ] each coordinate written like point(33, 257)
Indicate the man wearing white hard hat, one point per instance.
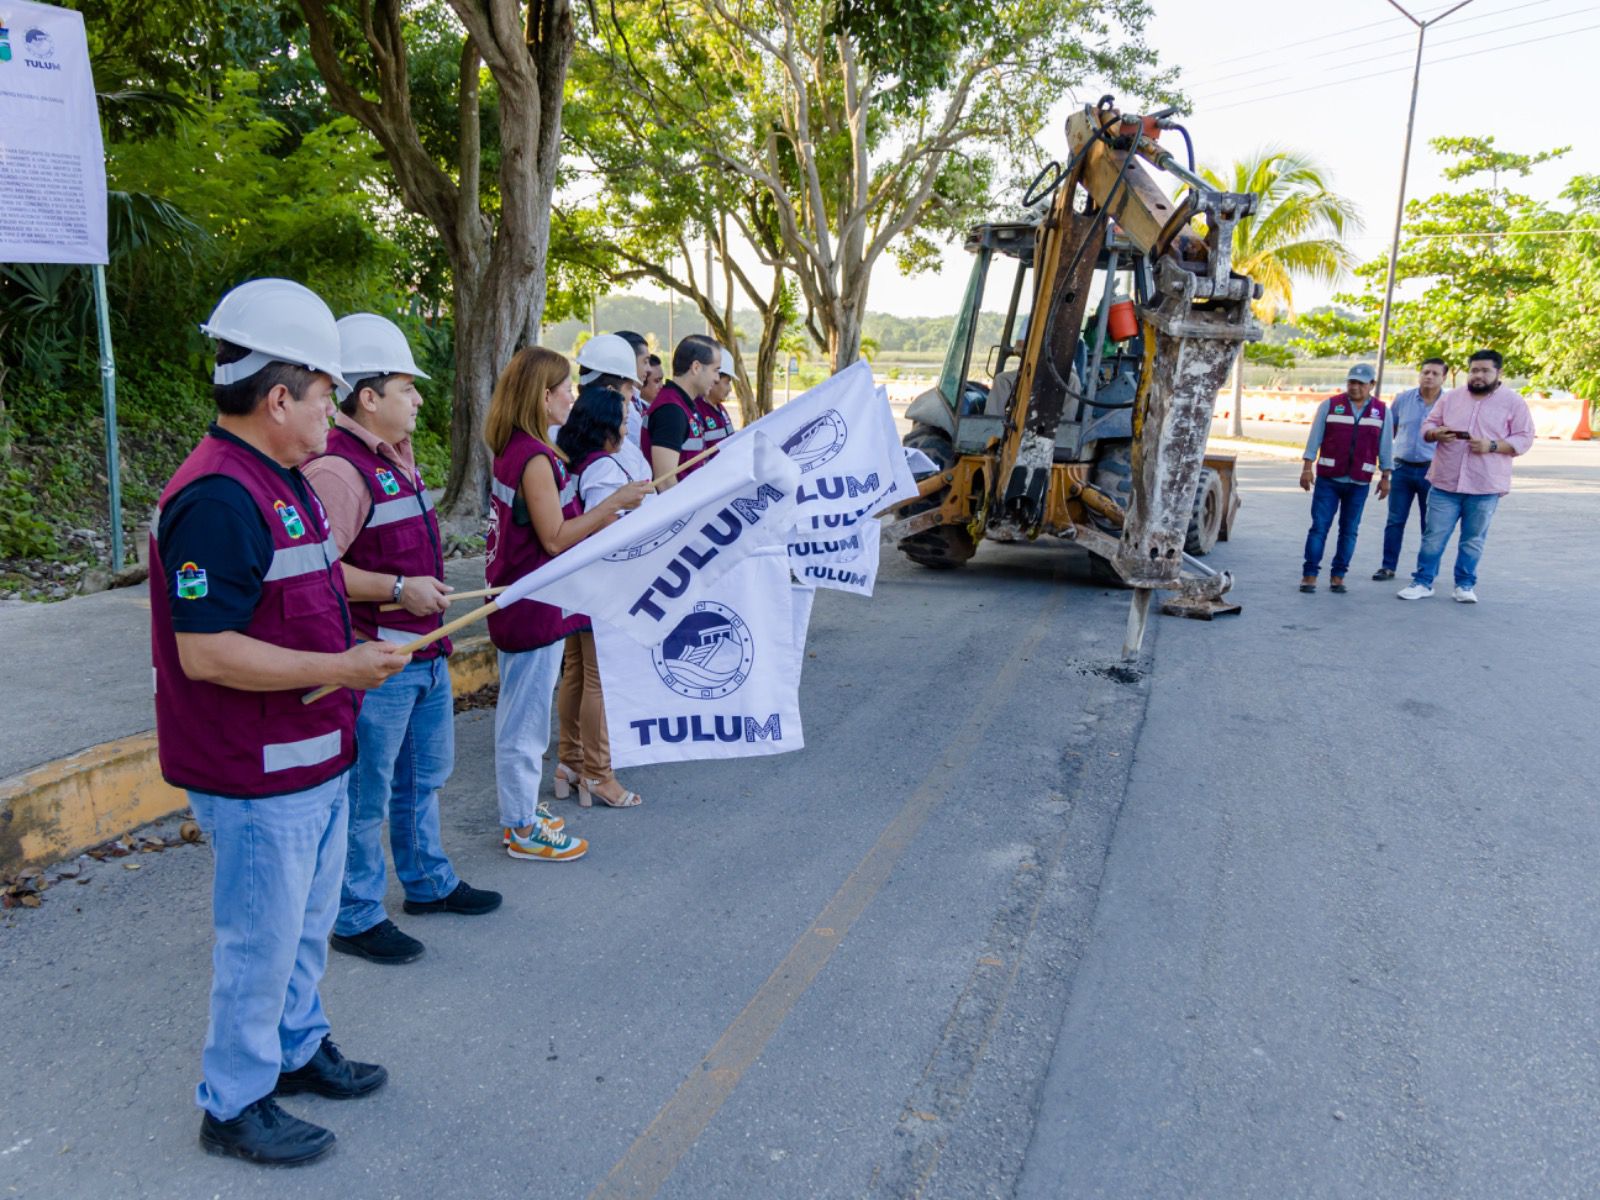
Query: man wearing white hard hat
point(609, 360)
point(638, 403)
point(387, 534)
point(247, 614)
point(713, 407)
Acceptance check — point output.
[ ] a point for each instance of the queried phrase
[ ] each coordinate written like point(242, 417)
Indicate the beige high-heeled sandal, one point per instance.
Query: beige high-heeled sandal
point(566, 779)
point(587, 795)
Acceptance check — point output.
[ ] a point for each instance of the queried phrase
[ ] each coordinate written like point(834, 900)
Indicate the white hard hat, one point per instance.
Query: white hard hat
point(608, 354)
point(277, 320)
point(372, 345)
point(727, 365)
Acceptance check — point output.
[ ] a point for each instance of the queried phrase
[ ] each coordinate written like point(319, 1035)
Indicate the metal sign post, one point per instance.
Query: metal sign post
point(108, 396)
point(1405, 169)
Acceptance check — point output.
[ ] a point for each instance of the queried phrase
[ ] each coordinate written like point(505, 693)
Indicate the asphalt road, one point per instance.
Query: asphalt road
point(1303, 910)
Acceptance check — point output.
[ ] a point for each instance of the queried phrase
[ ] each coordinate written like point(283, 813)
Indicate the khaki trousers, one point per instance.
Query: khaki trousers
point(585, 745)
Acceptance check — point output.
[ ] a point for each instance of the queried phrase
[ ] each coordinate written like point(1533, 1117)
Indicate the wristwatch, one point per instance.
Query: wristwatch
point(1494, 446)
point(399, 586)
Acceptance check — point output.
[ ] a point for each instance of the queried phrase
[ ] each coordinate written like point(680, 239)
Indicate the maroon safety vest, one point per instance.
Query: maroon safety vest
point(695, 441)
point(1350, 440)
point(514, 549)
point(243, 744)
point(401, 537)
point(715, 420)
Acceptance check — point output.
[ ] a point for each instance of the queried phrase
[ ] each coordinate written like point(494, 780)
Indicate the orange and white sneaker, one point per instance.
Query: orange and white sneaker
point(552, 845)
point(541, 813)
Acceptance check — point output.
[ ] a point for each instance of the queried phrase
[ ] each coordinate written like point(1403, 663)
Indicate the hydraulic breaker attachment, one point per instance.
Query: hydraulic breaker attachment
point(1189, 349)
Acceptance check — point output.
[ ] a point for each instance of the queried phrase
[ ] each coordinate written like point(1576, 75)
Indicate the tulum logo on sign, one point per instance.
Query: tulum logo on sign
point(39, 51)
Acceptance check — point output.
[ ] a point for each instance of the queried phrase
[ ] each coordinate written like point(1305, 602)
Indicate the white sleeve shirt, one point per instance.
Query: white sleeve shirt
point(600, 478)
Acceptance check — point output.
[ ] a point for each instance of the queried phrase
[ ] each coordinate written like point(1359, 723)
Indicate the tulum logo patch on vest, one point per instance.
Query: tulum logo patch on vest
point(387, 481)
point(191, 582)
point(290, 518)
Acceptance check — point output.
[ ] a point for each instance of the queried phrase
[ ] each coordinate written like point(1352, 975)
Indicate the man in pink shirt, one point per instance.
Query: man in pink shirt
point(1476, 430)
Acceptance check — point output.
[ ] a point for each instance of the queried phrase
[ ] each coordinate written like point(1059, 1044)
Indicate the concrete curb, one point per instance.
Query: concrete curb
point(64, 807)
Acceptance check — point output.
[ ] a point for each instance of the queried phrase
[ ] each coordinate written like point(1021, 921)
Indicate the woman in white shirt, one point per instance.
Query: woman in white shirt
point(592, 438)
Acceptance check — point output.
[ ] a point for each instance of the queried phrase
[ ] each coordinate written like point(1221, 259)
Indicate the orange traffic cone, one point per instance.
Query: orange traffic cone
point(1582, 433)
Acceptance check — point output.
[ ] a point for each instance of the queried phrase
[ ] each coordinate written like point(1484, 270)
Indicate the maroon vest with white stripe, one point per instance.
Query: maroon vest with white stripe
point(229, 742)
point(514, 549)
point(715, 420)
point(401, 537)
point(694, 441)
point(1350, 439)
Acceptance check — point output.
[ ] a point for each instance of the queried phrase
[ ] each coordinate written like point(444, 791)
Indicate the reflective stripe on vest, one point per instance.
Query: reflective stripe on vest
point(308, 752)
point(401, 508)
point(301, 560)
point(502, 493)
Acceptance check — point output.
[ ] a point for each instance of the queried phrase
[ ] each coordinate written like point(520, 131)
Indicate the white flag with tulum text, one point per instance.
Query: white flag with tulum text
point(725, 680)
point(645, 572)
point(841, 435)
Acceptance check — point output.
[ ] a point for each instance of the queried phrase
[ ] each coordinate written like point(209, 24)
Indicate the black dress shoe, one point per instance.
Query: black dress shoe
point(1382, 573)
point(466, 900)
point(265, 1134)
point(331, 1074)
point(383, 943)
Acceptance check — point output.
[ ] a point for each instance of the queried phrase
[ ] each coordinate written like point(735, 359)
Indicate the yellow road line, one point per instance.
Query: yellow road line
point(657, 1151)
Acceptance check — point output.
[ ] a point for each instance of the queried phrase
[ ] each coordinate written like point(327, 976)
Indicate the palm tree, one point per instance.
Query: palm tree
point(1297, 232)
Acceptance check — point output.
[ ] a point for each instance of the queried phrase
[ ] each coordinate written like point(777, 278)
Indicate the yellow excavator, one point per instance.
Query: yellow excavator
point(1094, 428)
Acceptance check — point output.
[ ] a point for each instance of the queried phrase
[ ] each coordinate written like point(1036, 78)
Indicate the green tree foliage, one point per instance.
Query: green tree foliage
point(1299, 227)
point(1560, 321)
point(1472, 254)
point(830, 135)
point(1296, 232)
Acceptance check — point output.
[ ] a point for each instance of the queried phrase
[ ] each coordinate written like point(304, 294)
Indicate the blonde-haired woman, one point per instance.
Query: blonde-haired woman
point(534, 515)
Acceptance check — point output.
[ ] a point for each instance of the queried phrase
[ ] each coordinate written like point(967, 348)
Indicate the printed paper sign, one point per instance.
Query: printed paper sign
point(52, 162)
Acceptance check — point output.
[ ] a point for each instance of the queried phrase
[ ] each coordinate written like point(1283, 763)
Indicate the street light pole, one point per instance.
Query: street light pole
point(1405, 170)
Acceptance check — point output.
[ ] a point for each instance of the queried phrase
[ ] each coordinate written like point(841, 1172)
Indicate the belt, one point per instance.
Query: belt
point(1413, 462)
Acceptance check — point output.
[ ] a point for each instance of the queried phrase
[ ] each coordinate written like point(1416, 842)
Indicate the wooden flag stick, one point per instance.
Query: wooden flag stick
point(683, 466)
point(480, 594)
point(479, 614)
point(412, 647)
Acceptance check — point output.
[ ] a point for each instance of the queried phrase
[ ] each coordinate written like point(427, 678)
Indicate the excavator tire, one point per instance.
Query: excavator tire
point(1206, 521)
point(948, 546)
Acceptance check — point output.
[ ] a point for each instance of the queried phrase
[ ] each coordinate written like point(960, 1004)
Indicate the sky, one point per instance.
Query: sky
point(1332, 78)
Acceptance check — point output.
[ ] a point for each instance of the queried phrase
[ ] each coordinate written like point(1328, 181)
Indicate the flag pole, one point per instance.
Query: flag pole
point(479, 614)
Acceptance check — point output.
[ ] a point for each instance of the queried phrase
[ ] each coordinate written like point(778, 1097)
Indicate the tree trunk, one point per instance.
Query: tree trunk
point(1236, 417)
point(768, 355)
point(844, 339)
point(466, 494)
point(498, 263)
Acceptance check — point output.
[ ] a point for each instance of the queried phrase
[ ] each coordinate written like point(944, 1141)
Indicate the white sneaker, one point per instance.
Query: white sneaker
point(1465, 596)
point(1417, 591)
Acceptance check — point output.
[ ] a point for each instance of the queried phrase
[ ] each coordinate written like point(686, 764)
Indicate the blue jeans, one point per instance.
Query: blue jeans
point(1330, 496)
point(1444, 510)
point(277, 863)
point(406, 737)
point(522, 729)
point(1407, 484)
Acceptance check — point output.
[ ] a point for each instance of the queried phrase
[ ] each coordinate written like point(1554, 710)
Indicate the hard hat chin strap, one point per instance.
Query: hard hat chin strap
point(244, 368)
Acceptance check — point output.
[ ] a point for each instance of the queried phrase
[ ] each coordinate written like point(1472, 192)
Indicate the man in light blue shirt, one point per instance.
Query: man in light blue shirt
point(1412, 458)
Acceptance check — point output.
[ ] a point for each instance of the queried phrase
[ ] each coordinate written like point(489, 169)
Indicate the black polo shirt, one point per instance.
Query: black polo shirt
point(214, 524)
